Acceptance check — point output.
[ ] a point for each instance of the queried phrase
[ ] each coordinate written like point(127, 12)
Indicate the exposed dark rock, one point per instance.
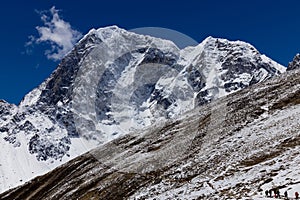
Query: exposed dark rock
point(295, 64)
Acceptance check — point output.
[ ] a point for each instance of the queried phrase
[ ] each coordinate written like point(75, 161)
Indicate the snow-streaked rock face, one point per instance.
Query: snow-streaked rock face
point(114, 82)
point(295, 64)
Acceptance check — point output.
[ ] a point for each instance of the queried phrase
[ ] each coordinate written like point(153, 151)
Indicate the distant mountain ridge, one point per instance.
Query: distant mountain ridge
point(114, 82)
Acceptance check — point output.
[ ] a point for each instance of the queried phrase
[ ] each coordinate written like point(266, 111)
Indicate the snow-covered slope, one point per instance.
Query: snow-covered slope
point(233, 148)
point(114, 82)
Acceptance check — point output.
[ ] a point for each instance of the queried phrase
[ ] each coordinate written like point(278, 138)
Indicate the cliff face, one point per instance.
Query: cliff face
point(232, 148)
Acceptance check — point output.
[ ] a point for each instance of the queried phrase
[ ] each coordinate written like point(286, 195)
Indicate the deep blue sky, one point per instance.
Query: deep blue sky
point(273, 27)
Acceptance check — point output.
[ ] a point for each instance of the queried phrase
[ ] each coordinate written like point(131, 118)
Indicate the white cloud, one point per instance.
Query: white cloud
point(56, 32)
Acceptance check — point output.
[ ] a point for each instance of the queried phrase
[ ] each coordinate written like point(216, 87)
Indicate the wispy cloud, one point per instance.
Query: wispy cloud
point(56, 32)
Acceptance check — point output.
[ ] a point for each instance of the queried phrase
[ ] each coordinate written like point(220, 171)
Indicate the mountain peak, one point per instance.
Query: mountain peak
point(295, 64)
point(114, 34)
point(210, 40)
point(107, 28)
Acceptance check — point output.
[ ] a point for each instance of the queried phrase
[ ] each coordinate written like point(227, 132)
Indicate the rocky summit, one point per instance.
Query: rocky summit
point(295, 64)
point(115, 82)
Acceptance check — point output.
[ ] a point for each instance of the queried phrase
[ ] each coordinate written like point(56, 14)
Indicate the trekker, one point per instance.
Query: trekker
point(267, 193)
point(297, 195)
point(270, 193)
point(285, 195)
point(275, 192)
point(278, 193)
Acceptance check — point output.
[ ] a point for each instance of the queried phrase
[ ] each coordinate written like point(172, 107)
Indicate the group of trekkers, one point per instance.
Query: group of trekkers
point(276, 193)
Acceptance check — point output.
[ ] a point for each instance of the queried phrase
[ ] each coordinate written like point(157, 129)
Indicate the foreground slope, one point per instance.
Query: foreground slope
point(114, 82)
point(232, 148)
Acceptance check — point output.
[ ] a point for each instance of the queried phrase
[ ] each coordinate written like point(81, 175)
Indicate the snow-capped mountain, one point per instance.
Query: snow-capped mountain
point(114, 82)
point(235, 147)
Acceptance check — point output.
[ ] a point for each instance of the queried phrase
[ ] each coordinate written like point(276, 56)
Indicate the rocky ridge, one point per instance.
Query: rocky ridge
point(295, 64)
